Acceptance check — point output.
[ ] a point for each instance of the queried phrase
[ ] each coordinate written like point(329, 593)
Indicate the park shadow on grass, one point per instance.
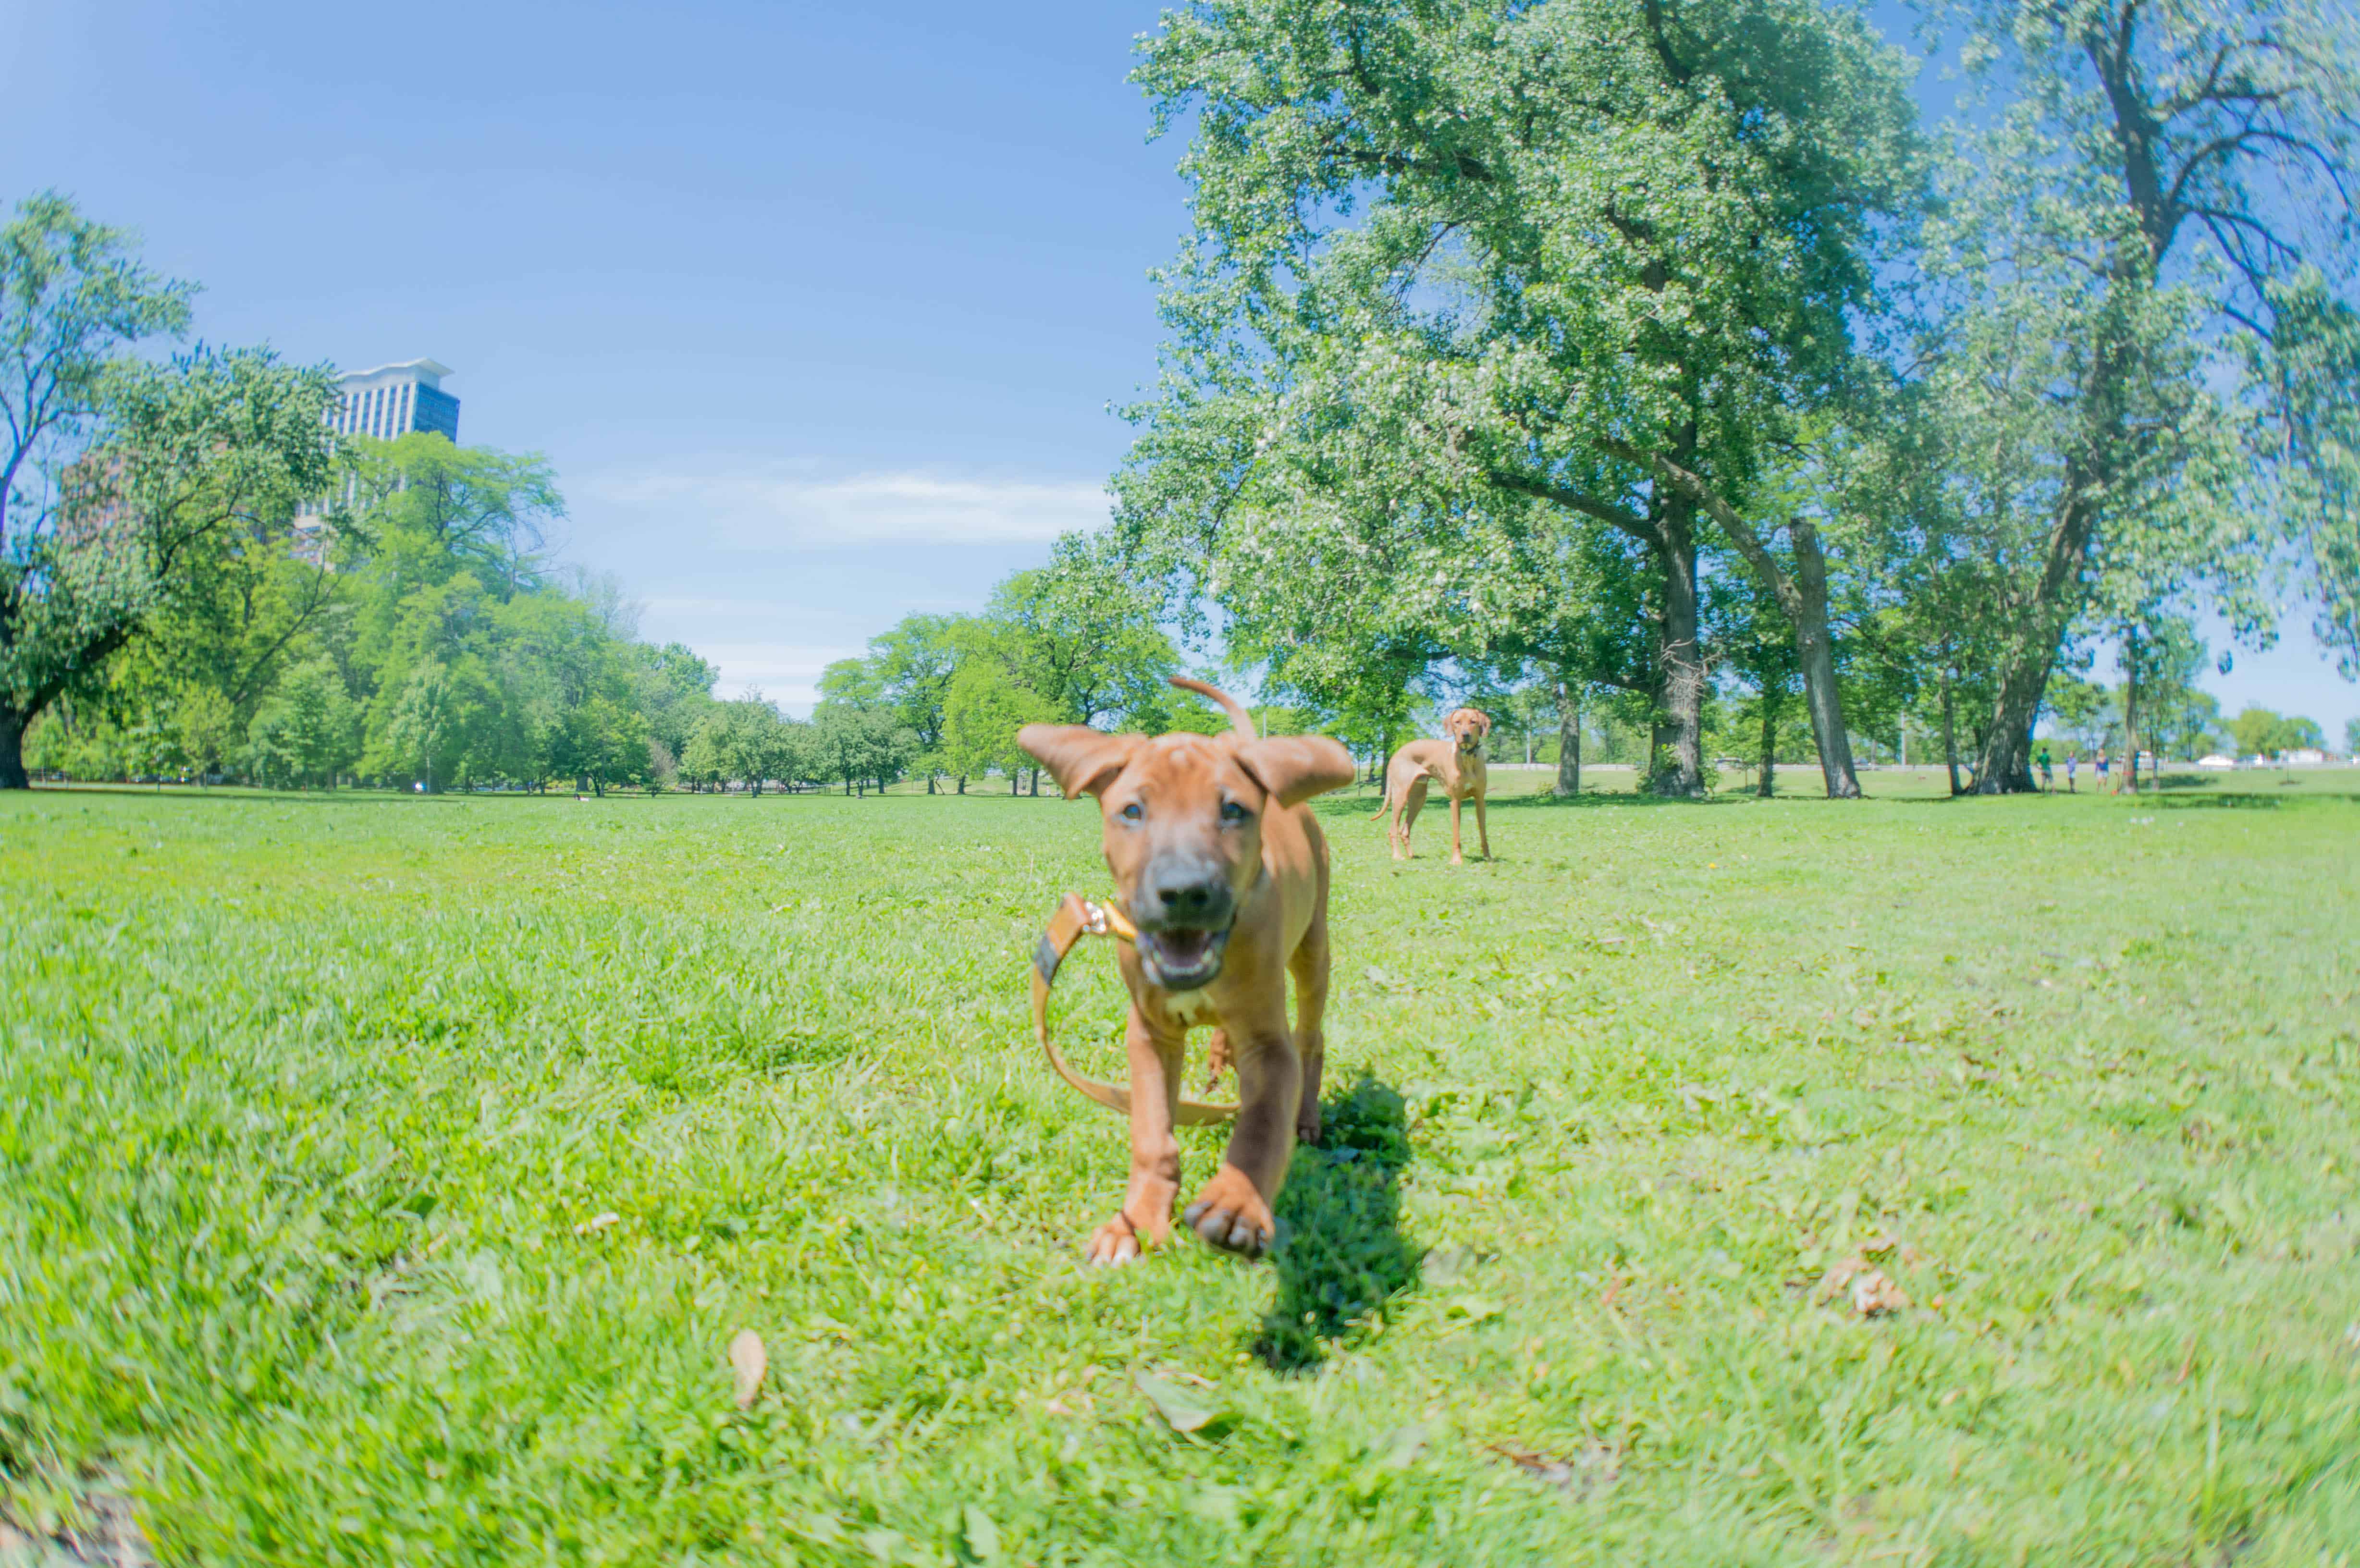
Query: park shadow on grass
point(1340, 1254)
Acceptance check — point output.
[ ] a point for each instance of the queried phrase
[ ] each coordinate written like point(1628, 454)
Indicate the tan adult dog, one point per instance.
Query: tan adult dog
point(1224, 871)
point(1455, 762)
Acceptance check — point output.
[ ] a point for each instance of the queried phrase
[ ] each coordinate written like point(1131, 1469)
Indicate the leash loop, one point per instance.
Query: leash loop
point(1076, 918)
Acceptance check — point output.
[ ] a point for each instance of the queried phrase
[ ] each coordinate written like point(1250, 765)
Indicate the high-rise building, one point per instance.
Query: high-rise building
point(395, 399)
point(388, 401)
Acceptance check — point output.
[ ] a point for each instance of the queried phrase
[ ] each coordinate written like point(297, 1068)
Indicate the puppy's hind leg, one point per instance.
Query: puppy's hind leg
point(1309, 967)
point(1217, 1060)
point(1413, 802)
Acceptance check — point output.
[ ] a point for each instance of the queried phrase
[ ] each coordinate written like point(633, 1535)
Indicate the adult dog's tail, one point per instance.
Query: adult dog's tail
point(1239, 717)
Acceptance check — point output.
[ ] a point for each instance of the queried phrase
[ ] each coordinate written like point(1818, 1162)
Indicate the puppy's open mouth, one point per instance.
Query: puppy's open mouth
point(1181, 958)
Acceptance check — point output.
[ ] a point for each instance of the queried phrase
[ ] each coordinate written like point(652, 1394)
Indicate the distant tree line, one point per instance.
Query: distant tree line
point(1073, 642)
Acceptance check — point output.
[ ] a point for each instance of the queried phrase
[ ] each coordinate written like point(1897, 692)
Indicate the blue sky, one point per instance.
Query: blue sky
point(817, 309)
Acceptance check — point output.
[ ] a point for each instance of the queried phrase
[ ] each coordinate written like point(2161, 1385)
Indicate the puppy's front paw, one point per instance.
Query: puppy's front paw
point(1228, 1214)
point(1115, 1242)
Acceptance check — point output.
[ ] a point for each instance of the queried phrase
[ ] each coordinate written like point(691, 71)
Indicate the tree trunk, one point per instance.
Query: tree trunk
point(1950, 735)
point(2128, 779)
point(1801, 593)
point(1682, 774)
point(1015, 781)
point(1036, 784)
point(13, 723)
point(1770, 705)
point(2005, 763)
point(962, 779)
point(930, 781)
point(1816, 652)
point(1569, 742)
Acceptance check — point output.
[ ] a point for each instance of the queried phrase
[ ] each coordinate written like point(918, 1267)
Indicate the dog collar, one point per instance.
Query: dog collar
point(1077, 917)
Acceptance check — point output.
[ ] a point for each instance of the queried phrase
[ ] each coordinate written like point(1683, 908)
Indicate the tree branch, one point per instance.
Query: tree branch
point(1577, 501)
point(1780, 581)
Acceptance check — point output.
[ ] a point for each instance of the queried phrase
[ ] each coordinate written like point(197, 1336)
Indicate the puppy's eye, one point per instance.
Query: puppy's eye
point(1232, 812)
point(1133, 812)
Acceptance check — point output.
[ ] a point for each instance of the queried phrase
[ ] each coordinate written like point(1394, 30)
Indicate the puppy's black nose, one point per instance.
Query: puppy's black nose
point(1191, 896)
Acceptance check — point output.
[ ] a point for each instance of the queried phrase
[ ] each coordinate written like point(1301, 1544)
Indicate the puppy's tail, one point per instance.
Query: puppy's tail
point(1242, 720)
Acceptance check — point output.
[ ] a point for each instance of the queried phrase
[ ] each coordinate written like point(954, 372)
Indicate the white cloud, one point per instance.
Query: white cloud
point(785, 673)
point(789, 511)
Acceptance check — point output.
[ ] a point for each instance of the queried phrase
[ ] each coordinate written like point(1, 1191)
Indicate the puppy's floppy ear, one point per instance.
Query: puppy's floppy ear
point(1082, 761)
point(1292, 769)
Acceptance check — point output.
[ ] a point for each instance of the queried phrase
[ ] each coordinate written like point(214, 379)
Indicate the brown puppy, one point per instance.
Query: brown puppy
point(1456, 762)
point(1220, 866)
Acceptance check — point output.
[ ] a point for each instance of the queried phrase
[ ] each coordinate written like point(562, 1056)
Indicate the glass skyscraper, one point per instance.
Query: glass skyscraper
point(388, 401)
point(395, 399)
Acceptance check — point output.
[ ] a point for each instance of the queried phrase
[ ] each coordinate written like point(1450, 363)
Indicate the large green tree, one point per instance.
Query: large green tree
point(1605, 255)
point(182, 458)
point(125, 486)
point(984, 708)
point(2138, 328)
point(309, 732)
point(1083, 637)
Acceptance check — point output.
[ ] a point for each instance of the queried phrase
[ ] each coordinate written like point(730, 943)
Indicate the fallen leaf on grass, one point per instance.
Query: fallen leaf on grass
point(1870, 1289)
point(1581, 1474)
point(749, 1361)
point(1873, 1293)
point(1180, 1410)
point(982, 1534)
point(597, 1222)
point(1878, 1246)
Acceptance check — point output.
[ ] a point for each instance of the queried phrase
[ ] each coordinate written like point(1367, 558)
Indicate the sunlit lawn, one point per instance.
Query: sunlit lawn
point(383, 1178)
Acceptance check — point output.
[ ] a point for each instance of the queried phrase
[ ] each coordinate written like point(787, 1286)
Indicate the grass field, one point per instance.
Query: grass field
point(383, 1180)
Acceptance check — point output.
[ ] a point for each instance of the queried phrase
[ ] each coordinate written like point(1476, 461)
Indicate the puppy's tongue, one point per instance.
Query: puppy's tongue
point(1184, 949)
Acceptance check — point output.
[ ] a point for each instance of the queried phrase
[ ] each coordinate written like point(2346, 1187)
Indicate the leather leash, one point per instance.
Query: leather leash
point(1077, 917)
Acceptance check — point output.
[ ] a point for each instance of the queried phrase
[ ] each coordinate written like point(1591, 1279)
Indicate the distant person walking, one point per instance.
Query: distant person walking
point(2102, 770)
point(2048, 774)
point(2072, 766)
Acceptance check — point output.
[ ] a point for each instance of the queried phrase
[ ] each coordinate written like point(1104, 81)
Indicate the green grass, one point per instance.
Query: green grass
point(309, 1108)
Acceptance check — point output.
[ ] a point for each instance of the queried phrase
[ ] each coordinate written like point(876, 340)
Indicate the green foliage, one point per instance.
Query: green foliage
point(2259, 732)
point(309, 732)
point(860, 749)
point(1080, 635)
point(984, 708)
point(749, 741)
point(180, 464)
point(674, 688)
point(2132, 368)
point(1494, 315)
